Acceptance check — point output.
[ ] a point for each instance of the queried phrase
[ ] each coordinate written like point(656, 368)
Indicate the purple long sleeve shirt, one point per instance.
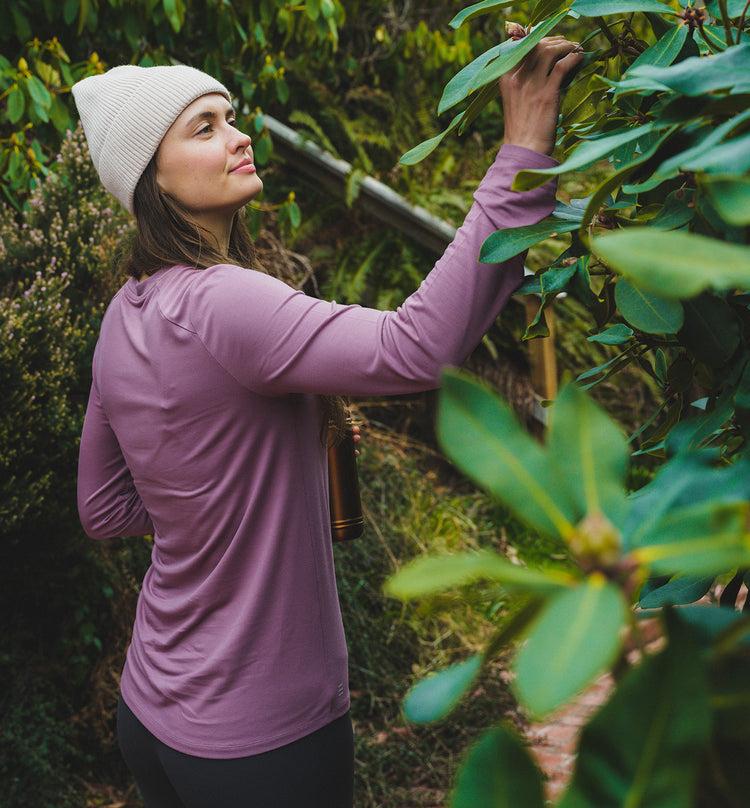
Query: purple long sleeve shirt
point(204, 428)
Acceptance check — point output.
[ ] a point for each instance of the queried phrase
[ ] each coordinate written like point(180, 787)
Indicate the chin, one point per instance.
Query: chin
point(258, 187)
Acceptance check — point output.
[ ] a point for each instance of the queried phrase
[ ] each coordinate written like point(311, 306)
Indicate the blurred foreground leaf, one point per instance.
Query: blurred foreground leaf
point(576, 637)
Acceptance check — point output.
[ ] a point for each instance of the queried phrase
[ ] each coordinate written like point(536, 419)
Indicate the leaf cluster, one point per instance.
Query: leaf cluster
point(658, 253)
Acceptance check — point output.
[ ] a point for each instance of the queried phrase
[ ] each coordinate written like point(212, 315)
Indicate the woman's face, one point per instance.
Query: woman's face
point(206, 163)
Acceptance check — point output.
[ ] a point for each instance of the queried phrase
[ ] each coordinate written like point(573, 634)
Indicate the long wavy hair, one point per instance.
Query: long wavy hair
point(166, 235)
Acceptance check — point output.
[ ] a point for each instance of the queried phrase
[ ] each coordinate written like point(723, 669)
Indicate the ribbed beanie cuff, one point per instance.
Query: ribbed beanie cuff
point(126, 112)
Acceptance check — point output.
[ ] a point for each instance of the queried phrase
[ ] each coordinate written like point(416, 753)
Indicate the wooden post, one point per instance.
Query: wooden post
point(542, 357)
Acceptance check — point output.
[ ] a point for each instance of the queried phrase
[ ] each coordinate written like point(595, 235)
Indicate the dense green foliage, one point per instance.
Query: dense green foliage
point(658, 120)
point(659, 255)
point(347, 72)
point(55, 592)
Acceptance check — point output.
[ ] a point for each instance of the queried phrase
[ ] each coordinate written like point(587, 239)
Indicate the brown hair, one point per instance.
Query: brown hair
point(166, 235)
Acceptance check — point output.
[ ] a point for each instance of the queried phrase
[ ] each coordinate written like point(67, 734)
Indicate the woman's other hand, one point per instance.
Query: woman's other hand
point(531, 93)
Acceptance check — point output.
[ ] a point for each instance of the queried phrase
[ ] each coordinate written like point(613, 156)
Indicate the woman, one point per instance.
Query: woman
point(204, 429)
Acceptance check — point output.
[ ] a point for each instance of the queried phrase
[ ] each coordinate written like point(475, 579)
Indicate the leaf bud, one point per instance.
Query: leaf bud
point(694, 17)
point(514, 30)
point(596, 542)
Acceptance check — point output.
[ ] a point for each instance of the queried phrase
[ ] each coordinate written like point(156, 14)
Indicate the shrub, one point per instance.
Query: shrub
point(659, 255)
point(56, 272)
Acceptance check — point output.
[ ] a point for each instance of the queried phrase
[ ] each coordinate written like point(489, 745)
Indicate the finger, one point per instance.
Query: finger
point(565, 64)
point(553, 53)
point(542, 58)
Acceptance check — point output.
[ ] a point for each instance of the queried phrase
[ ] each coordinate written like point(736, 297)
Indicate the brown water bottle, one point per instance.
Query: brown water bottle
point(343, 485)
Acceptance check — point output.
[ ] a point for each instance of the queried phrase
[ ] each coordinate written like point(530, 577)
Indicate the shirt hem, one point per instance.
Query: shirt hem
point(218, 751)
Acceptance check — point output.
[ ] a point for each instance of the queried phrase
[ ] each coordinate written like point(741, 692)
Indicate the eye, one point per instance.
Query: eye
point(205, 130)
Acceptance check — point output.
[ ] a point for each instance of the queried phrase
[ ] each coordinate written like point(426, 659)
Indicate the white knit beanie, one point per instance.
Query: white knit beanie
point(126, 112)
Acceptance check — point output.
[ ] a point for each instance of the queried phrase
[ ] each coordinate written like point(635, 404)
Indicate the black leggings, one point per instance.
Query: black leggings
point(316, 771)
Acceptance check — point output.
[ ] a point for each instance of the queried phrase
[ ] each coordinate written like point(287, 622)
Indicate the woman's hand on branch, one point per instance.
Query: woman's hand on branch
point(531, 93)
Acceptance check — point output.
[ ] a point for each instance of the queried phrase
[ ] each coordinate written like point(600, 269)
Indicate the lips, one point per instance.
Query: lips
point(245, 166)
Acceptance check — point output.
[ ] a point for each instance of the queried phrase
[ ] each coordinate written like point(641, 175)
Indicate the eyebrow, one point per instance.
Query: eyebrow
point(208, 115)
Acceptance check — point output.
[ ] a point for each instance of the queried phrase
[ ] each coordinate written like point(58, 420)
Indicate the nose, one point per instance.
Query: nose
point(241, 141)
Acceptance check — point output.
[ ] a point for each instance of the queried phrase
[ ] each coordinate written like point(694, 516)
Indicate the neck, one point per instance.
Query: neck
point(220, 228)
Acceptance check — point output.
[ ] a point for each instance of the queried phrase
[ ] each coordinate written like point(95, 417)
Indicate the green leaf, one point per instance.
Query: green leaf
point(70, 10)
point(509, 57)
point(677, 211)
point(485, 7)
point(712, 330)
point(601, 8)
point(585, 155)
point(16, 164)
point(691, 433)
point(697, 76)
point(704, 539)
point(295, 214)
point(551, 283)
point(576, 637)
point(642, 748)
point(742, 393)
point(677, 592)
point(646, 311)
point(498, 772)
point(16, 105)
point(511, 628)
point(675, 265)
point(84, 12)
point(262, 148)
point(487, 68)
point(660, 366)
point(423, 149)
point(282, 90)
point(504, 244)
point(663, 52)
point(572, 212)
point(483, 438)
point(735, 153)
point(464, 82)
point(484, 97)
point(734, 8)
point(709, 153)
point(428, 576)
point(594, 450)
point(729, 195)
point(582, 100)
point(615, 335)
point(610, 185)
point(544, 9)
point(60, 115)
point(175, 11)
point(433, 698)
point(712, 623)
point(40, 95)
point(587, 374)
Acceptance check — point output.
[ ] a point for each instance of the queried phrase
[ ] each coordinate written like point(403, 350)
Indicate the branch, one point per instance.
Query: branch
point(607, 32)
point(741, 22)
point(725, 19)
